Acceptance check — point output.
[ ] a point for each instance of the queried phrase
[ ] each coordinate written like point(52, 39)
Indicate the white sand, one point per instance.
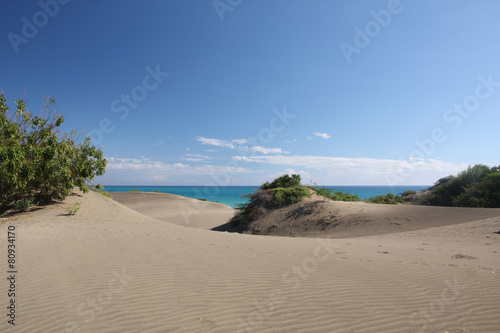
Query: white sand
point(177, 209)
point(112, 269)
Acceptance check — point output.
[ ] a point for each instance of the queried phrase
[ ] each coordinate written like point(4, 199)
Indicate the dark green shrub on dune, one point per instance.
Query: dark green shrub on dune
point(290, 195)
point(284, 181)
point(478, 186)
point(389, 198)
point(336, 196)
point(282, 191)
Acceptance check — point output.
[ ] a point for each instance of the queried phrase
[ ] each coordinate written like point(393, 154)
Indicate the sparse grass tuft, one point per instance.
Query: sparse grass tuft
point(100, 189)
point(73, 209)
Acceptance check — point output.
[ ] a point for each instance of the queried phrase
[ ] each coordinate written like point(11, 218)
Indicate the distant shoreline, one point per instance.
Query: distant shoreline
point(231, 195)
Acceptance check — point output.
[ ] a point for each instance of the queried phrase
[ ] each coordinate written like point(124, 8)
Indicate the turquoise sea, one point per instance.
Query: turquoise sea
point(232, 195)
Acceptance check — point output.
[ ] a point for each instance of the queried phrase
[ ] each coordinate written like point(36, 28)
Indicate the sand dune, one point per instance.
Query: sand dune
point(176, 209)
point(320, 217)
point(112, 269)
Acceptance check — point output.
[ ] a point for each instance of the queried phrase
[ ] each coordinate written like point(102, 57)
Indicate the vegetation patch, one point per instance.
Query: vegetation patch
point(38, 162)
point(392, 199)
point(283, 196)
point(282, 191)
point(73, 209)
point(336, 196)
point(101, 190)
point(478, 186)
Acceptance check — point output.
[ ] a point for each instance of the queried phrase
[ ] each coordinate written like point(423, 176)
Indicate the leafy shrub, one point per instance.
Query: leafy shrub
point(282, 191)
point(478, 186)
point(73, 209)
point(336, 196)
point(37, 161)
point(23, 204)
point(260, 202)
point(409, 193)
point(389, 198)
point(284, 181)
point(290, 195)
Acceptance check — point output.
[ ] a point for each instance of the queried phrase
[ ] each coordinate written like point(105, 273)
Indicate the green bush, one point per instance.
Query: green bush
point(336, 196)
point(284, 181)
point(478, 186)
point(290, 195)
point(282, 191)
point(38, 163)
point(389, 199)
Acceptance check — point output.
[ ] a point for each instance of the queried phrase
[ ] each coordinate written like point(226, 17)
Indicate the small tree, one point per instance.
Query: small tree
point(38, 162)
point(284, 181)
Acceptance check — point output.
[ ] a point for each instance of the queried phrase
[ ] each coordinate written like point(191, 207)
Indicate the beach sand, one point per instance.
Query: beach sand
point(112, 269)
point(176, 209)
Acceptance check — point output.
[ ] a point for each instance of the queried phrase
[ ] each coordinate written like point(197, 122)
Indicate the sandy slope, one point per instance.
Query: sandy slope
point(320, 217)
point(111, 269)
point(176, 209)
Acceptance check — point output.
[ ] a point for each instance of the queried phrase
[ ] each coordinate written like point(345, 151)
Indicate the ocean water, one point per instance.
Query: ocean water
point(232, 195)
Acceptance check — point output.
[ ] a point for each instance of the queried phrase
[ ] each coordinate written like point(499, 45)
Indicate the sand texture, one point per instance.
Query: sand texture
point(111, 269)
point(176, 209)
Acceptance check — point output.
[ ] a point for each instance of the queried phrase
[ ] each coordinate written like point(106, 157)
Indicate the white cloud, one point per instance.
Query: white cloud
point(158, 168)
point(215, 142)
point(363, 170)
point(322, 135)
point(268, 150)
point(238, 144)
point(240, 141)
point(291, 141)
point(309, 137)
point(195, 157)
point(326, 162)
point(221, 143)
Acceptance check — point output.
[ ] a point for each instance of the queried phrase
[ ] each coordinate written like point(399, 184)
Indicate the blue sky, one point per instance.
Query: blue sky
point(232, 92)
